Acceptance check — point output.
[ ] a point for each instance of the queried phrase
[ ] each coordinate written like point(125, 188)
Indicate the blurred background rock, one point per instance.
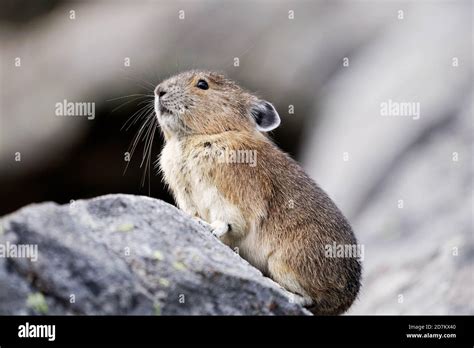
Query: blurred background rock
point(405, 184)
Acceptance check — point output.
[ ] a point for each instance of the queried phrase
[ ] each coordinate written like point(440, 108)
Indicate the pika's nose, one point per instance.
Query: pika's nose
point(159, 91)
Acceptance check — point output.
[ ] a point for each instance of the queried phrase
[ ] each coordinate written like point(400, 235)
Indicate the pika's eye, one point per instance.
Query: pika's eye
point(202, 84)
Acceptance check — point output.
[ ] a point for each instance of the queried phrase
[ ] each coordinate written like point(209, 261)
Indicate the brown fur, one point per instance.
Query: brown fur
point(280, 219)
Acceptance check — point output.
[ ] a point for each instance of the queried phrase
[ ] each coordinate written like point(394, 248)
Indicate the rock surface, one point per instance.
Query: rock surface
point(124, 254)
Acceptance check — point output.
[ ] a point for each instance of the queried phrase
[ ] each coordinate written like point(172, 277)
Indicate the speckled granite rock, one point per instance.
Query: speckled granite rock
point(123, 254)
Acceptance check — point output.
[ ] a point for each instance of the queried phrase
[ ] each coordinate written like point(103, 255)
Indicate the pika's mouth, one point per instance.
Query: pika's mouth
point(160, 109)
point(164, 110)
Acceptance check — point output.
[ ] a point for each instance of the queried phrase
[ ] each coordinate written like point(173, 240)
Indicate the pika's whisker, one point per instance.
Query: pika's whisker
point(132, 95)
point(139, 134)
point(147, 88)
point(127, 102)
point(137, 137)
point(147, 154)
point(146, 141)
point(148, 110)
point(136, 116)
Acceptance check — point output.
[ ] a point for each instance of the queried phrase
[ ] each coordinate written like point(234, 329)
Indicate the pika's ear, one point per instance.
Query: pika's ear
point(265, 116)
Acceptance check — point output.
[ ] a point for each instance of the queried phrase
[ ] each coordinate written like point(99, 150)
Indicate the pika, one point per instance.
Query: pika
point(222, 167)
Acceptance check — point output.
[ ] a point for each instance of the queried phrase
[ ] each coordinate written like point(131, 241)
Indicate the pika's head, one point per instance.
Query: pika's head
point(201, 102)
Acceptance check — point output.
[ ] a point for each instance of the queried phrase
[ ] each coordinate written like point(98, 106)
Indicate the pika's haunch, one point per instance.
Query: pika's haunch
point(222, 168)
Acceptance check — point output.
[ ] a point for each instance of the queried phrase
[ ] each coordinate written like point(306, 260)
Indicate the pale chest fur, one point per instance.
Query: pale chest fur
point(188, 175)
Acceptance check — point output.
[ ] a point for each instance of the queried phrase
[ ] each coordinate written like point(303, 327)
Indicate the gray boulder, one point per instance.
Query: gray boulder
point(124, 254)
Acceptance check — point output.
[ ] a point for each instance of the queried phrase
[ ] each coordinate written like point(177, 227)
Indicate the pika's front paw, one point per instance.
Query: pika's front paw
point(219, 228)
